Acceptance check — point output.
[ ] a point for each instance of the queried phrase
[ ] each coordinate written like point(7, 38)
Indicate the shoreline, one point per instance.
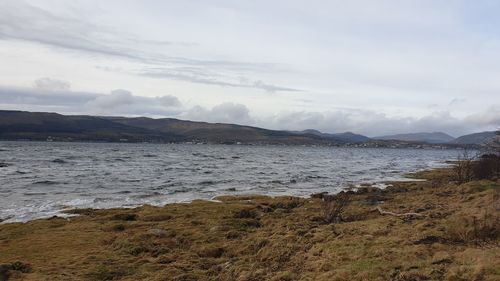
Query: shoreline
point(68, 213)
point(387, 144)
point(272, 238)
point(381, 184)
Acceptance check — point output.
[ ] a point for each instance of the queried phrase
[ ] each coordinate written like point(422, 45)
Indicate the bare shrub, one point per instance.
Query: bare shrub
point(463, 167)
point(334, 206)
point(487, 167)
point(245, 214)
point(474, 229)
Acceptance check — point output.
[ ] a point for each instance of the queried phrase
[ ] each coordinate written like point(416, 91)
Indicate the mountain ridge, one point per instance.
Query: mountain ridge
point(429, 137)
point(24, 125)
point(345, 136)
point(476, 138)
point(20, 125)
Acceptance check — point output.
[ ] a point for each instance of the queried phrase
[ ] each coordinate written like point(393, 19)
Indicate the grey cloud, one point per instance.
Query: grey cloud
point(196, 75)
point(117, 98)
point(21, 21)
point(457, 101)
point(372, 123)
point(118, 102)
point(490, 117)
point(124, 102)
point(272, 88)
point(33, 97)
point(51, 84)
point(170, 101)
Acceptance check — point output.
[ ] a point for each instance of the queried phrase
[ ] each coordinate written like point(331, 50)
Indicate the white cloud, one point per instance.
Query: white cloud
point(223, 113)
point(51, 84)
point(373, 123)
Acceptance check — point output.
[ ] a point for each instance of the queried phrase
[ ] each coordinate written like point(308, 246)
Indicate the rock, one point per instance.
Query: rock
point(368, 189)
point(319, 195)
point(125, 217)
point(158, 232)
point(214, 228)
point(4, 272)
point(375, 199)
point(431, 239)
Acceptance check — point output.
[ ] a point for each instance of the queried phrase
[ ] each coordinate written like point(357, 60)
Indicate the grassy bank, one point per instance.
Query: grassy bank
point(453, 236)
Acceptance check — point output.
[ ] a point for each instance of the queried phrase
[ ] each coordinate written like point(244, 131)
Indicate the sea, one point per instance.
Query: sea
point(42, 179)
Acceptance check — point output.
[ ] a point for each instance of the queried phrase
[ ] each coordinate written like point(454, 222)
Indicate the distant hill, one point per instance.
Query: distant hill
point(434, 137)
point(476, 138)
point(16, 125)
point(219, 132)
point(22, 125)
point(346, 137)
point(41, 126)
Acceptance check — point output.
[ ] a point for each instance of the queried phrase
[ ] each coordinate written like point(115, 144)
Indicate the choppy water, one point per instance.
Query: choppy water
point(39, 179)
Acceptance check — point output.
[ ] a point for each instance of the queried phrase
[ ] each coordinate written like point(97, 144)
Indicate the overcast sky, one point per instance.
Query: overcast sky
point(371, 67)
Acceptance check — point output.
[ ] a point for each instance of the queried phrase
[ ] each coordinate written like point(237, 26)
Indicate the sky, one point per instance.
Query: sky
point(371, 67)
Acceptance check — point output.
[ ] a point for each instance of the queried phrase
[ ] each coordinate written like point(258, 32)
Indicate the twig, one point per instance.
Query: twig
point(382, 212)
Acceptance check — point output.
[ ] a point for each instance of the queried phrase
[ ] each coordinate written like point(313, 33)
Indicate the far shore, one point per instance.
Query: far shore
point(435, 229)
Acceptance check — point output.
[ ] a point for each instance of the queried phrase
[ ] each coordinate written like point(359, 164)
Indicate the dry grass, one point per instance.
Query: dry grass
point(262, 238)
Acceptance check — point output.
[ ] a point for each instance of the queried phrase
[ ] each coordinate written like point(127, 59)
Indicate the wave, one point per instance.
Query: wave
point(34, 193)
point(123, 192)
point(45, 182)
point(147, 195)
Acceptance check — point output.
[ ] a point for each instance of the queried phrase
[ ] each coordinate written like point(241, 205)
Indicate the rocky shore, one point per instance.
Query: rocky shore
point(418, 230)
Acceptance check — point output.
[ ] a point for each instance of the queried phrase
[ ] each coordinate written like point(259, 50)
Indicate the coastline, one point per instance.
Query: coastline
point(270, 238)
point(118, 176)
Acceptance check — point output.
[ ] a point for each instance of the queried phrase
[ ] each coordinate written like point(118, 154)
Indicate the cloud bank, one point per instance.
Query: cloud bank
point(124, 103)
point(118, 102)
point(22, 21)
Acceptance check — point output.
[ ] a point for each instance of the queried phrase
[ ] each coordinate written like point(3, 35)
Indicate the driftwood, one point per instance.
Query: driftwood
point(403, 215)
